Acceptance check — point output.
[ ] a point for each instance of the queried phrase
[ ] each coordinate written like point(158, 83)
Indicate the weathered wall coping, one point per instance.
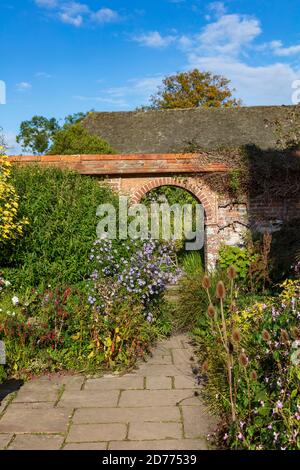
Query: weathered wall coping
point(125, 164)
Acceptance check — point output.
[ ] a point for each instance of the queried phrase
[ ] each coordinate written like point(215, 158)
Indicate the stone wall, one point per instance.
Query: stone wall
point(174, 130)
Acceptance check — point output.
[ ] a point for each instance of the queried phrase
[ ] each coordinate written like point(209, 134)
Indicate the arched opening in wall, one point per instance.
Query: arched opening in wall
point(184, 222)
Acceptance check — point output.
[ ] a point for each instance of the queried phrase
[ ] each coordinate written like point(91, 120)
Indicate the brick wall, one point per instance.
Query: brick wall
point(226, 220)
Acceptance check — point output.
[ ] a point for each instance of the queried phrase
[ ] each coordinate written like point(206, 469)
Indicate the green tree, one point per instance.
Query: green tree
point(35, 135)
point(75, 139)
point(74, 118)
point(194, 89)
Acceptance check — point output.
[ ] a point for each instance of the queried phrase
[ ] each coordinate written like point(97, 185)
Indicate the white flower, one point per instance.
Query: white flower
point(15, 300)
point(7, 283)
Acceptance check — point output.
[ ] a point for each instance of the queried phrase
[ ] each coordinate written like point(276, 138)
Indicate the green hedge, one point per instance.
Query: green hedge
point(61, 209)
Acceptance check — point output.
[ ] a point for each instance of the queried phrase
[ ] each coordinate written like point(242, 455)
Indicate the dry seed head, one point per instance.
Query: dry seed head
point(253, 375)
point(236, 335)
point(206, 282)
point(220, 290)
point(231, 271)
point(205, 366)
point(266, 335)
point(295, 332)
point(211, 312)
point(243, 360)
point(284, 337)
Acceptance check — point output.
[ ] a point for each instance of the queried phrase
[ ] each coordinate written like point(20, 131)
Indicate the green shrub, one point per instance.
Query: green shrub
point(240, 258)
point(75, 139)
point(61, 210)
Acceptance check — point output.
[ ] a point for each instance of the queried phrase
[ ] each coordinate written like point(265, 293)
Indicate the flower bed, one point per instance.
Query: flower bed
point(251, 365)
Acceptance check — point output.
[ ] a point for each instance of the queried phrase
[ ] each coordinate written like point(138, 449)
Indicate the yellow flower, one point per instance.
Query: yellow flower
point(10, 226)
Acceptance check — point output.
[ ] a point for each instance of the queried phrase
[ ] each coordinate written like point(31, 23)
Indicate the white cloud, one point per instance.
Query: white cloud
point(228, 35)
point(105, 15)
point(280, 50)
point(72, 13)
point(261, 85)
point(224, 46)
point(218, 8)
point(120, 103)
point(42, 75)
point(145, 85)
point(76, 13)
point(12, 147)
point(46, 3)
point(154, 39)
point(135, 92)
point(23, 86)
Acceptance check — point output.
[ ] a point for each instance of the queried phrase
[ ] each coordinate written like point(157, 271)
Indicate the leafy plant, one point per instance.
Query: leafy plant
point(61, 209)
point(75, 139)
point(240, 258)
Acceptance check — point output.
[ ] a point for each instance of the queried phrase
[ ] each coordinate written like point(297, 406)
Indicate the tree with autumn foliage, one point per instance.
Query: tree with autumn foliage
point(194, 89)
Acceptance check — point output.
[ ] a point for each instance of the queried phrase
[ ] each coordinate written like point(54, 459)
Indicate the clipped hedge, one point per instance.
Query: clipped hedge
point(60, 206)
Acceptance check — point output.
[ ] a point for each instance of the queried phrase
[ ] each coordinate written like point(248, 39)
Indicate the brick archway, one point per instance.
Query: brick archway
point(205, 196)
point(136, 174)
point(200, 192)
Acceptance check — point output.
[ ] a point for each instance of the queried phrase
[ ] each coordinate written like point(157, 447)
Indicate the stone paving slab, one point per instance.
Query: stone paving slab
point(36, 442)
point(154, 407)
point(161, 360)
point(159, 383)
point(146, 431)
point(89, 398)
point(87, 446)
point(32, 406)
point(138, 398)
point(181, 356)
point(197, 425)
point(26, 420)
point(148, 370)
point(166, 444)
point(4, 440)
point(126, 415)
point(184, 381)
point(97, 432)
point(36, 395)
point(128, 382)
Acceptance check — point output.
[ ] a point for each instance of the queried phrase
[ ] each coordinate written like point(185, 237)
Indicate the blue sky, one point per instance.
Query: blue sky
point(61, 56)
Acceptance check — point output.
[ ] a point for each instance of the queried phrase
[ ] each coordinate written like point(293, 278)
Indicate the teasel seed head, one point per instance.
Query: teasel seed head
point(236, 335)
point(243, 360)
point(211, 311)
point(253, 375)
point(220, 290)
point(206, 282)
point(266, 335)
point(231, 272)
point(284, 337)
point(295, 332)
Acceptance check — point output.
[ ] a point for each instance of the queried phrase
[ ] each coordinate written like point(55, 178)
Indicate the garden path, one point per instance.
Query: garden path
point(152, 408)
